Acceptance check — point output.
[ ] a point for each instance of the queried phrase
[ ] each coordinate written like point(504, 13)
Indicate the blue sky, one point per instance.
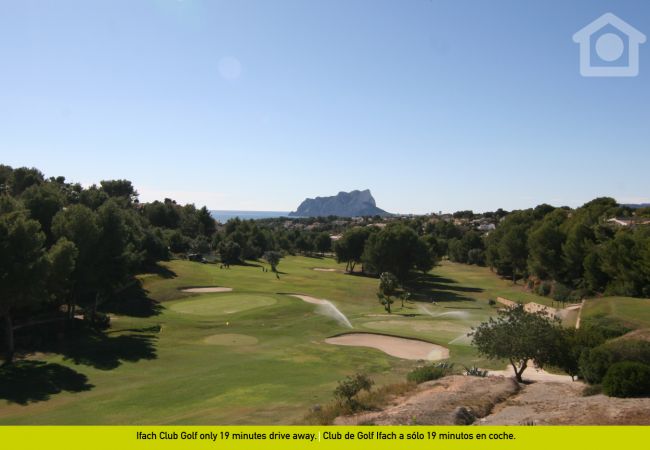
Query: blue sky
point(433, 105)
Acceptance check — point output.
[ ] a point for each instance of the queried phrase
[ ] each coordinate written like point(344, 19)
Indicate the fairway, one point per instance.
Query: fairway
point(211, 305)
point(230, 339)
point(254, 355)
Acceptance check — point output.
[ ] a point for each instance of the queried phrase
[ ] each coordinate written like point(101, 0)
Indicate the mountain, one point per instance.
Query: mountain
point(637, 205)
point(344, 204)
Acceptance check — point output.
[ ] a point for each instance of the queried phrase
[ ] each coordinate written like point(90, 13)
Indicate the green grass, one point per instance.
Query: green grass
point(221, 303)
point(632, 312)
point(251, 356)
point(490, 285)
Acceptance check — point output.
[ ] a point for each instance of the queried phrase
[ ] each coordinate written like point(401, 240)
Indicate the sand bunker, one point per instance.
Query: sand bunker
point(230, 340)
point(320, 269)
point(308, 299)
point(394, 346)
point(206, 290)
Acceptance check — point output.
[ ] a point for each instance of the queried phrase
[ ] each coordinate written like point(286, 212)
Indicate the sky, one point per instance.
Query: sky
point(433, 105)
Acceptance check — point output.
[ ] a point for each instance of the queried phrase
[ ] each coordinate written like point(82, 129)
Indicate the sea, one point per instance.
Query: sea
point(224, 215)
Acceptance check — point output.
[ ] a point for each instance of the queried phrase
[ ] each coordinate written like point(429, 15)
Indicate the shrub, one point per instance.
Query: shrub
point(427, 373)
point(610, 328)
point(561, 293)
point(475, 372)
point(627, 379)
point(592, 389)
point(543, 289)
point(492, 302)
point(595, 363)
point(351, 386)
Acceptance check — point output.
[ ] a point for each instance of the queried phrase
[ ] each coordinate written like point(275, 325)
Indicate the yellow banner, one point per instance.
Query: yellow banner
point(317, 437)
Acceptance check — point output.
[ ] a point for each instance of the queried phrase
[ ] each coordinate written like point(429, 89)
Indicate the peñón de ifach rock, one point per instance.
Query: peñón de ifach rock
point(344, 204)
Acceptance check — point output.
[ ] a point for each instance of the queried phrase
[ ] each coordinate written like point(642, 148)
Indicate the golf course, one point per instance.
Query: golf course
point(242, 346)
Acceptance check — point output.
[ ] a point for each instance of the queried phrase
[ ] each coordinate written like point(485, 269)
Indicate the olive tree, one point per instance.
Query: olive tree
point(519, 337)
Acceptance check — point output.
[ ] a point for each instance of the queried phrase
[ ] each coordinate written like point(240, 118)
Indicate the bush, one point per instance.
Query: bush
point(595, 363)
point(561, 293)
point(543, 289)
point(610, 328)
point(627, 379)
point(351, 386)
point(592, 389)
point(492, 302)
point(475, 372)
point(427, 373)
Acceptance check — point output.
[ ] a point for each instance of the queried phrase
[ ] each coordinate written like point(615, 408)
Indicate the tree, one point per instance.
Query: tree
point(513, 250)
point(323, 243)
point(396, 249)
point(304, 244)
point(24, 177)
point(273, 258)
point(79, 225)
point(23, 265)
point(575, 342)
point(229, 251)
point(207, 225)
point(92, 197)
point(519, 337)
point(119, 189)
point(387, 288)
point(62, 258)
point(350, 247)
point(43, 202)
point(545, 247)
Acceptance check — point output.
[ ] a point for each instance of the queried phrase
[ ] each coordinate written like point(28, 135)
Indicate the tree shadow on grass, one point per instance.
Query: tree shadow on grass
point(134, 302)
point(362, 274)
point(103, 351)
point(428, 287)
point(161, 271)
point(26, 382)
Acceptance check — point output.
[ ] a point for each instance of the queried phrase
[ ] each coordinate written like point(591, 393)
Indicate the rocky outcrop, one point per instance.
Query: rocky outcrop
point(344, 204)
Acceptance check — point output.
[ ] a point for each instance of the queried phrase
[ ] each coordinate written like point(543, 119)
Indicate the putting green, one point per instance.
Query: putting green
point(230, 340)
point(214, 305)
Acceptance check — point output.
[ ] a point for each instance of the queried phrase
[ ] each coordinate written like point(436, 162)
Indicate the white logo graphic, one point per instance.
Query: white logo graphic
point(609, 47)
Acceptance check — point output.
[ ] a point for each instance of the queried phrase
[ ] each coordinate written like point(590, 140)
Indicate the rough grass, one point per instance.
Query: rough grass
point(634, 313)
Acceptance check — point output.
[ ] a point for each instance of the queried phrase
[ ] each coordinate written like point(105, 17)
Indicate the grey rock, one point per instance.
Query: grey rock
point(344, 204)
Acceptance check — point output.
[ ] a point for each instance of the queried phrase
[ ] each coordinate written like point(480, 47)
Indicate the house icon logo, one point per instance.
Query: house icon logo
point(609, 47)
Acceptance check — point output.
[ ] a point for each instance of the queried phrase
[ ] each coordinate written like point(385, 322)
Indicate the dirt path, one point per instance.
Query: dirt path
point(394, 346)
point(582, 304)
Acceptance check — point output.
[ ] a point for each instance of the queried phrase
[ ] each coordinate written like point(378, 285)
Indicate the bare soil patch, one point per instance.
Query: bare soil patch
point(552, 403)
point(464, 400)
point(453, 400)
